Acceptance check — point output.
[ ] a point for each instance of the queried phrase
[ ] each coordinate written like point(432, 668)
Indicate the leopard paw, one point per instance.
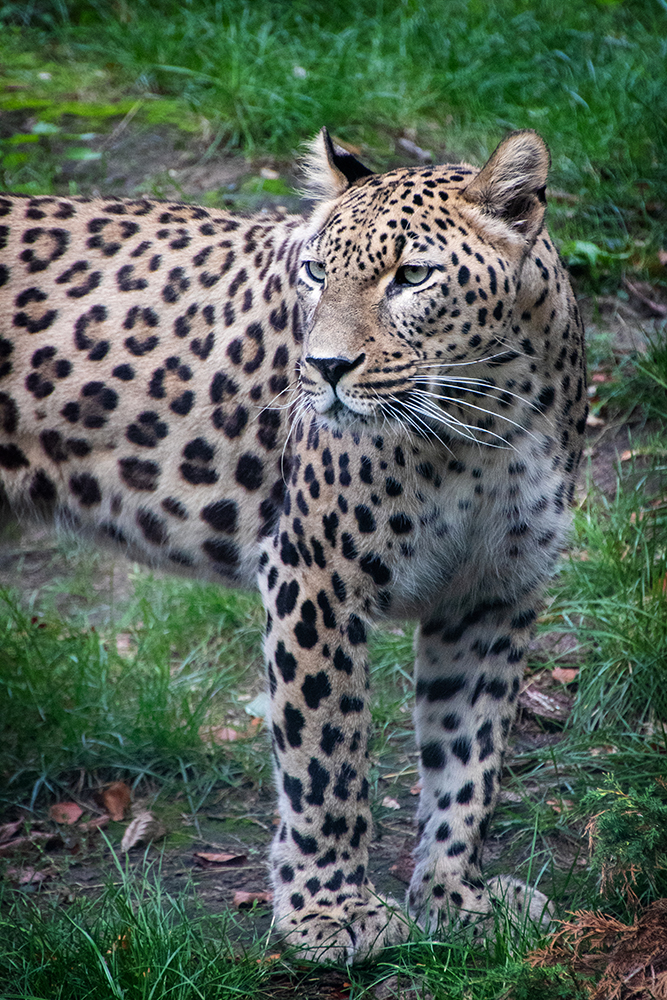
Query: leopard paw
point(520, 903)
point(502, 902)
point(357, 929)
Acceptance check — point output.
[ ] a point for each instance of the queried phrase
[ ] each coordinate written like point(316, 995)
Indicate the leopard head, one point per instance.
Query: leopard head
point(408, 285)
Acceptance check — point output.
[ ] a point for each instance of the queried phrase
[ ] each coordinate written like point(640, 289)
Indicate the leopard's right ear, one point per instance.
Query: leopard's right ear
point(330, 170)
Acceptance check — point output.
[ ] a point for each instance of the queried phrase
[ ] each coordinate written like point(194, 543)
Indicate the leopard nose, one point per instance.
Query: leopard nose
point(333, 369)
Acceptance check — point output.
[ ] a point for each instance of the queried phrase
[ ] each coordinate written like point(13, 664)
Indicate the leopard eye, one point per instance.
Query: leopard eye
point(413, 274)
point(316, 270)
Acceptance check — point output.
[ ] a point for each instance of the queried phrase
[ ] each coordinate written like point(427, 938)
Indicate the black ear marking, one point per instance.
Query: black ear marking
point(339, 159)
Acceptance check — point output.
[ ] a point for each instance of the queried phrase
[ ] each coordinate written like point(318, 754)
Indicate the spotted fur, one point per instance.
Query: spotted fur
point(376, 412)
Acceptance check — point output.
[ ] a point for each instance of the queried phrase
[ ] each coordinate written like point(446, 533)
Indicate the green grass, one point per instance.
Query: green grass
point(136, 941)
point(261, 77)
point(129, 695)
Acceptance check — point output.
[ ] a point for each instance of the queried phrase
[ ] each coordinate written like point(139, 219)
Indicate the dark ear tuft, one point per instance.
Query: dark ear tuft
point(329, 169)
point(339, 159)
point(512, 184)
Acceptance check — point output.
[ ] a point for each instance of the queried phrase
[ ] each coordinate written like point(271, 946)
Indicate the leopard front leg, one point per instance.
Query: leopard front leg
point(468, 673)
point(316, 651)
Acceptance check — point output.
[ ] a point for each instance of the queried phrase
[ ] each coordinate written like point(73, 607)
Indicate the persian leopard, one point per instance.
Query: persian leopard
point(376, 412)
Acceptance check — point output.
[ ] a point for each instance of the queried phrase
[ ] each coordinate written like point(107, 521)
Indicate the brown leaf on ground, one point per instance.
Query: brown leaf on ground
point(244, 900)
point(561, 646)
point(225, 734)
point(565, 674)
point(143, 829)
point(207, 859)
point(390, 803)
point(9, 830)
point(416, 788)
point(24, 845)
point(631, 957)
point(404, 865)
point(29, 876)
point(559, 804)
point(94, 824)
point(116, 798)
point(552, 705)
point(65, 812)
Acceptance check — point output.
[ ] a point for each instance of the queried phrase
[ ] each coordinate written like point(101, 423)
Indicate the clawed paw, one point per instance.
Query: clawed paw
point(503, 902)
point(356, 930)
point(520, 903)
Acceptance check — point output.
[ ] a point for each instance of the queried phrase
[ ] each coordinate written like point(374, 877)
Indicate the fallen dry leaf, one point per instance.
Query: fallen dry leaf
point(224, 734)
point(244, 900)
point(23, 845)
point(662, 257)
point(593, 421)
point(65, 812)
point(29, 876)
point(556, 705)
point(390, 803)
point(565, 674)
point(206, 859)
point(143, 829)
point(116, 799)
point(558, 805)
point(404, 866)
point(627, 455)
point(124, 644)
point(9, 830)
point(94, 824)
point(416, 788)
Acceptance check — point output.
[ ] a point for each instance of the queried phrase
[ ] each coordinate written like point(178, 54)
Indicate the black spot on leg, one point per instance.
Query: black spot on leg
point(315, 688)
point(440, 689)
point(331, 738)
point(319, 779)
point(433, 756)
point(462, 748)
point(294, 723)
point(285, 662)
point(465, 794)
point(485, 740)
point(488, 779)
point(304, 630)
point(86, 489)
point(293, 789)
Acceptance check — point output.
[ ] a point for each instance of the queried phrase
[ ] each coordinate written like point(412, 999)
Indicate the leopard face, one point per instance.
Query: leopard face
point(373, 412)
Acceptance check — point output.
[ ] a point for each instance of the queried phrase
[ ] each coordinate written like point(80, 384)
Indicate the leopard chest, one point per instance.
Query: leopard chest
point(409, 526)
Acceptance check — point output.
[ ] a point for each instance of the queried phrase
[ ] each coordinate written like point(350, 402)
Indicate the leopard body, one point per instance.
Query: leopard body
point(374, 413)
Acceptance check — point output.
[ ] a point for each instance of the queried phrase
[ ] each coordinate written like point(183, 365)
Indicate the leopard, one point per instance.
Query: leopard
point(373, 413)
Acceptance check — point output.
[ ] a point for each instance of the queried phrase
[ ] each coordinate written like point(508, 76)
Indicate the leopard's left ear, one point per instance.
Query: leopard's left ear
point(330, 170)
point(512, 184)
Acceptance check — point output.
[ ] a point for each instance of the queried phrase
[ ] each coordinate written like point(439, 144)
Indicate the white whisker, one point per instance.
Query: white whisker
point(428, 408)
point(455, 382)
point(473, 361)
point(472, 406)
